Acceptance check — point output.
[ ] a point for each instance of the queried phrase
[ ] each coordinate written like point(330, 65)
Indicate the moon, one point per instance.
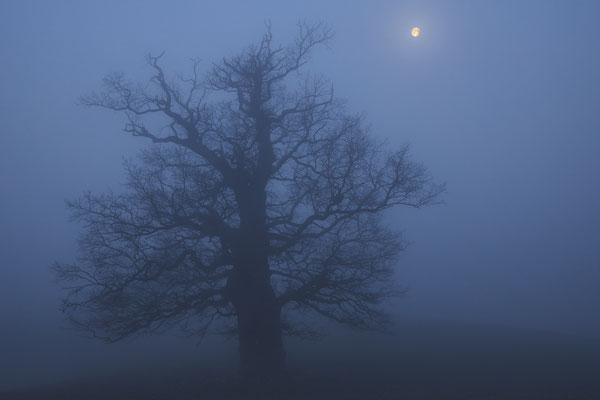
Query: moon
point(415, 31)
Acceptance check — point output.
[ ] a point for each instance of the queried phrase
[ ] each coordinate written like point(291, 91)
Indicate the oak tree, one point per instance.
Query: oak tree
point(261, 199)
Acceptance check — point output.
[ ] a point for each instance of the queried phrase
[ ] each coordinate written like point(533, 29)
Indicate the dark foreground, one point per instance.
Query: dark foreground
point(422, 361)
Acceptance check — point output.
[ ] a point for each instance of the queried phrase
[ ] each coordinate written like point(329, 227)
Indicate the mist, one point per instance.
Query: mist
point(498, 100)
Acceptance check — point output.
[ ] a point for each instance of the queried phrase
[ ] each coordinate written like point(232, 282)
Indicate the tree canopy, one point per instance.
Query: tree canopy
point(258, 178)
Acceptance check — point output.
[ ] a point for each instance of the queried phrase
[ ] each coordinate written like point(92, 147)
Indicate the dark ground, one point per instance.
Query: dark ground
point(424, 360)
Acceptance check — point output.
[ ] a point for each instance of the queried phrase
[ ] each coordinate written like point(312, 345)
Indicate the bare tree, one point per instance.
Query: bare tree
point(262, 199)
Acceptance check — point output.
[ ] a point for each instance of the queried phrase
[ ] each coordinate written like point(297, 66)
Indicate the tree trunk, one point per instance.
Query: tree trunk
point(262, 357)
point(249, 288)
point(261, 350)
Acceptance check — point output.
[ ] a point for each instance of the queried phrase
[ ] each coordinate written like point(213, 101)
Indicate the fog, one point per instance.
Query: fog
point(497, 99)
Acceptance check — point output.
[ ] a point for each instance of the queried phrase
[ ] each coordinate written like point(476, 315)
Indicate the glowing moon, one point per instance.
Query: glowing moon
point(415, 32)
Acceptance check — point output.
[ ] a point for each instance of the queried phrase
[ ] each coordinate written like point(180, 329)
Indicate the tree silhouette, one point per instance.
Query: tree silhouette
point(261, 200)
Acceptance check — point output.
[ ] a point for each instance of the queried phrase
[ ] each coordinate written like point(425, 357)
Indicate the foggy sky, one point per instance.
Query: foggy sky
point(498, 99)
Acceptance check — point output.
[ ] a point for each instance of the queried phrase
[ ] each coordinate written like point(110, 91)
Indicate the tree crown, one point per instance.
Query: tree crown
point(255, 146)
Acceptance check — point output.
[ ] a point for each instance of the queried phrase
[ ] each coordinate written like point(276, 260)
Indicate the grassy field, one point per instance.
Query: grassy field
point(423, 360)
